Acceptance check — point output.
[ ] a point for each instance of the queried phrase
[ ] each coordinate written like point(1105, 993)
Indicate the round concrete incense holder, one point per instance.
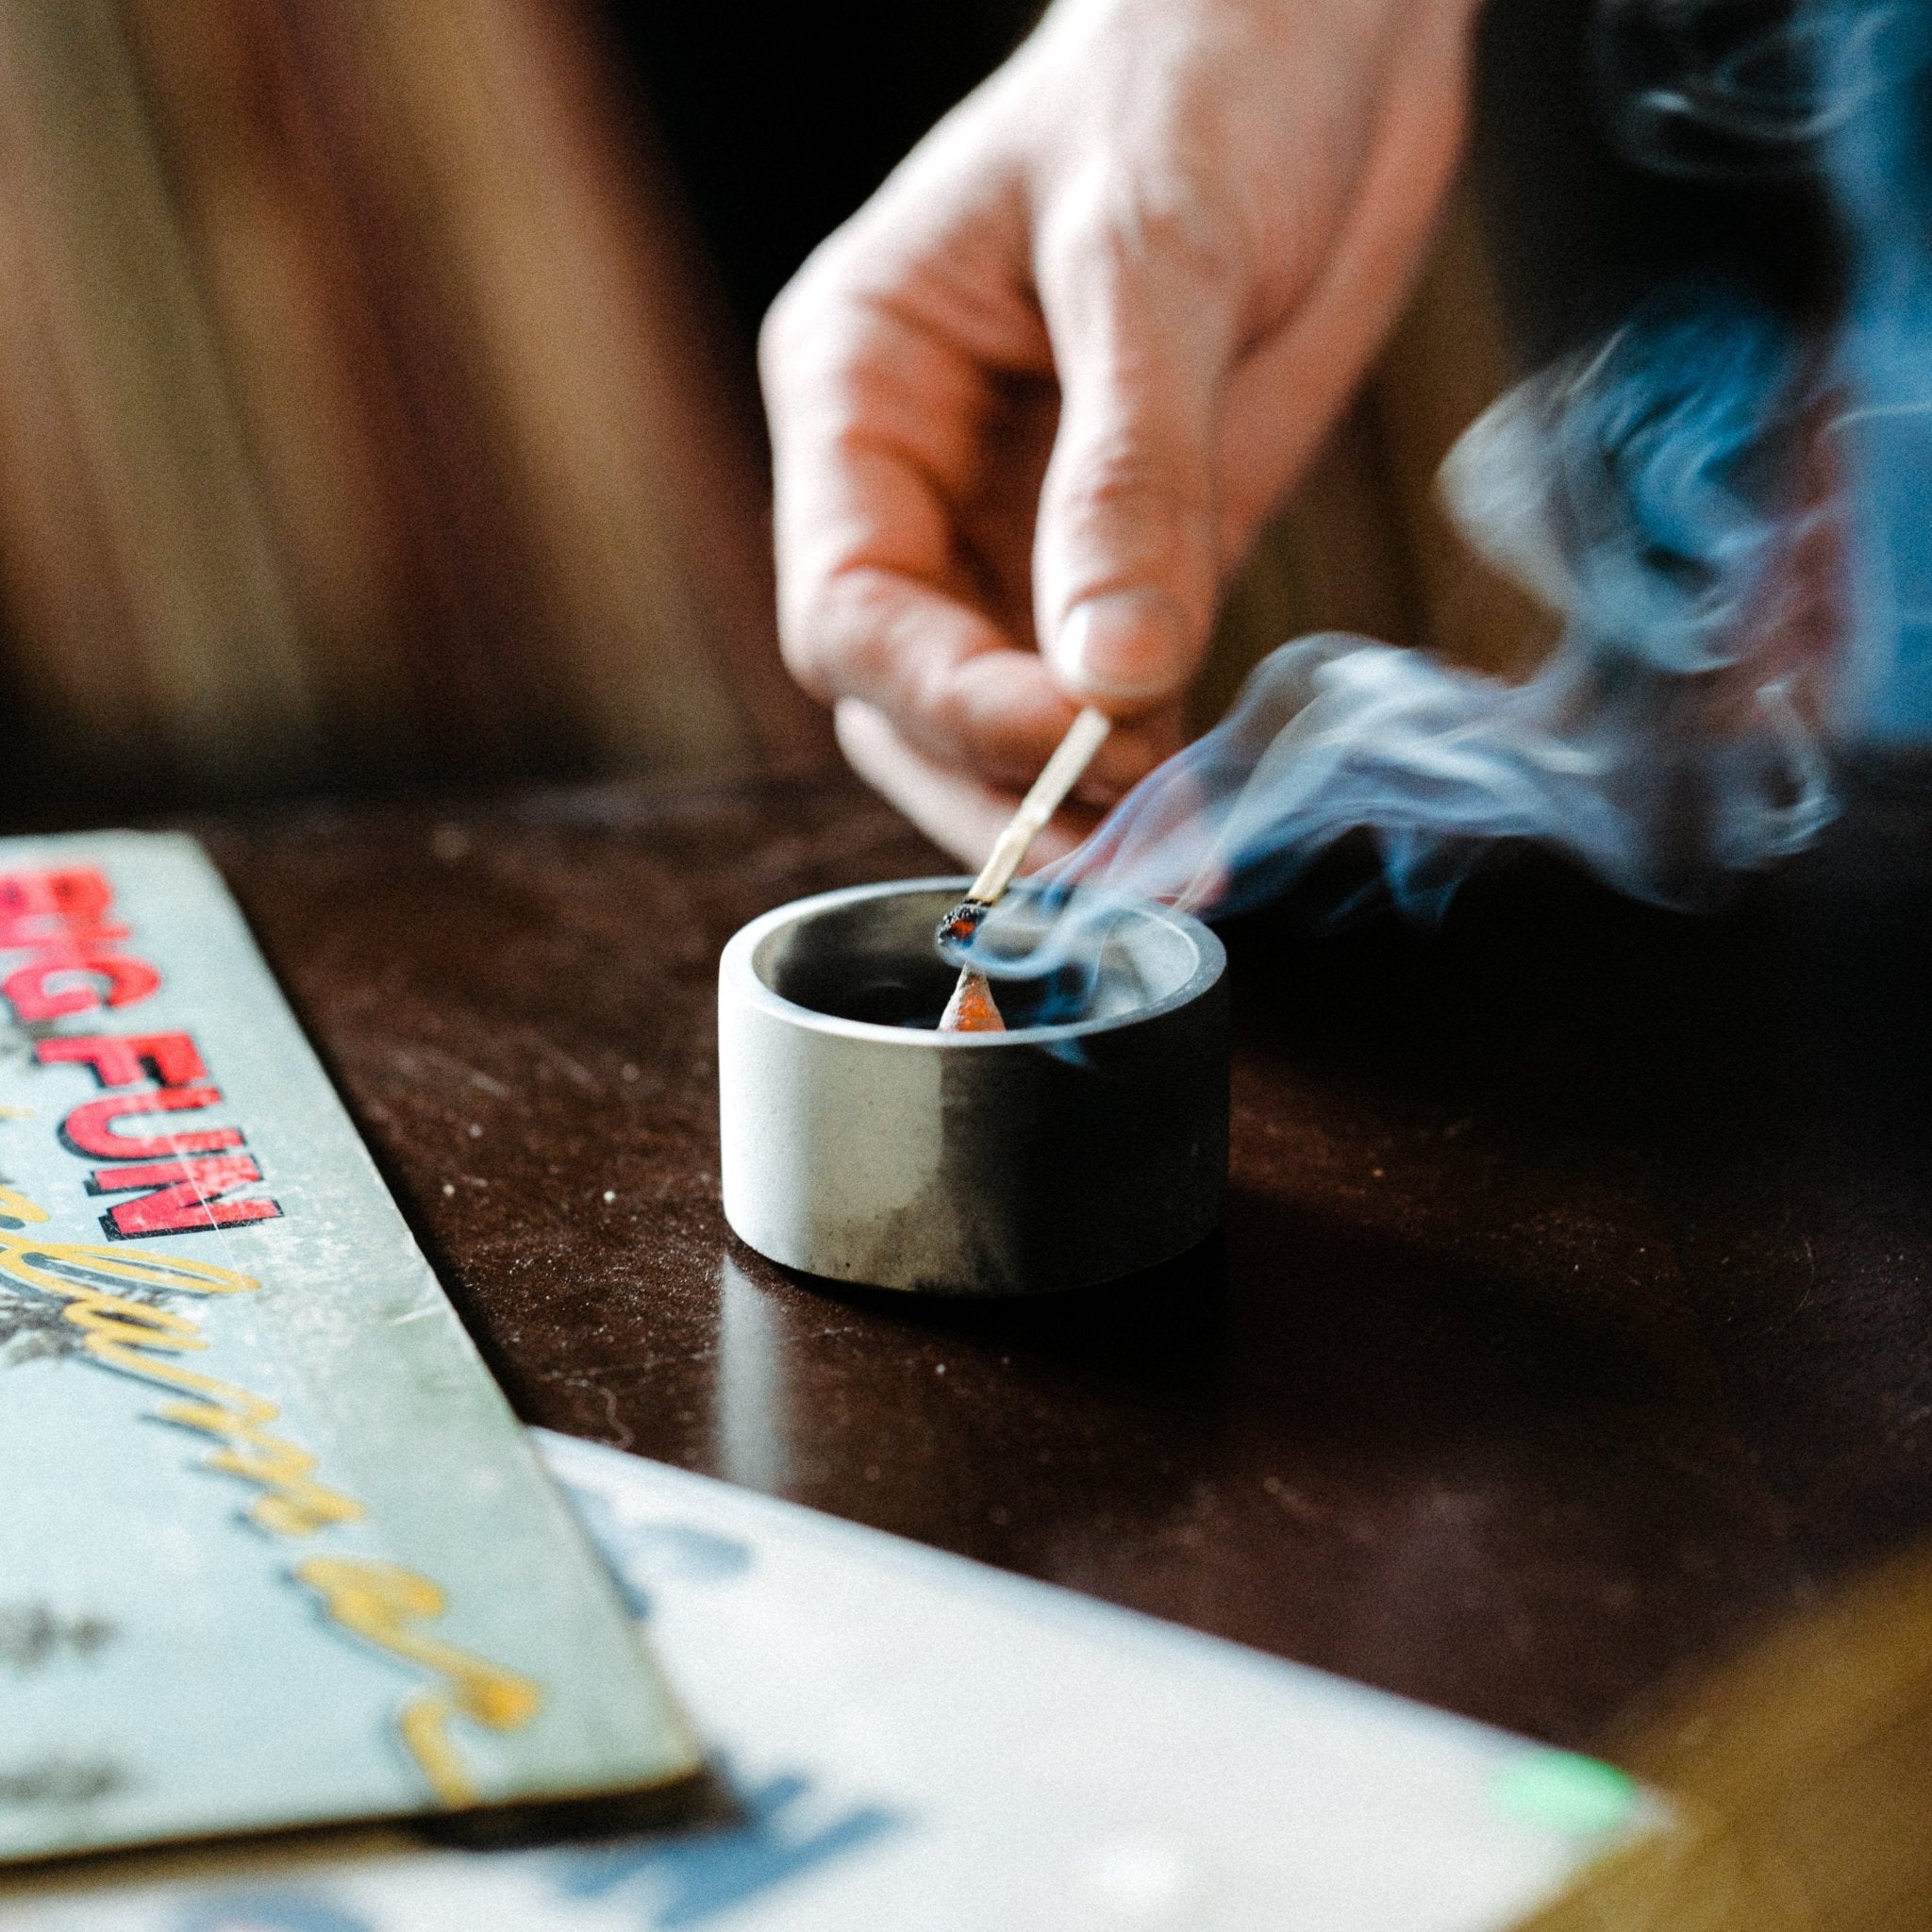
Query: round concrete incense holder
point(860, 1143)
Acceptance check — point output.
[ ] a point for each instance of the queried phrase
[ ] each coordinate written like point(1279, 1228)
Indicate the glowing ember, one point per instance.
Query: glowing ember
point(971, 1008)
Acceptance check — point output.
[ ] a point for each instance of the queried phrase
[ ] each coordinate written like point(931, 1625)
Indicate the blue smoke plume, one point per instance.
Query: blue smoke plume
point(1725, 511)
point(1877, 64)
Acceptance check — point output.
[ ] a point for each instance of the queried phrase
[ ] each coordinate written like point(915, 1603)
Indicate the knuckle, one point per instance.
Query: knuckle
point(1123, 475)
point(810, 641)
point(804, 656)
point(812, 313)
point(776, 332)
point(1131, 228)
point(836, 635)
point(794, 326)
point(1188, 237)
point(931, 701)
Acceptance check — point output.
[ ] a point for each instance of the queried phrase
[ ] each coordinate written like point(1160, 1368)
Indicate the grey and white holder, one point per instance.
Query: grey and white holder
point(861, 1147)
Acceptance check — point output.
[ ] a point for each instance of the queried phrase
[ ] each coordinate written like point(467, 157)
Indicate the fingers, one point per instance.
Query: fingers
point(1184, 249)
point(878, 426)
point(1127, 556)
point(958, 693)
point(887, 368)
point(959, 814)
point(878, 419)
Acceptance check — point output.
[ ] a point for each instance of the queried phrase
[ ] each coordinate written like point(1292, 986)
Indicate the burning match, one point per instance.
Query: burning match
point(973, 1007)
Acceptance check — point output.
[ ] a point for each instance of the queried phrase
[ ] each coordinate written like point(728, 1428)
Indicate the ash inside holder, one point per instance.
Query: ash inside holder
point(878, 965)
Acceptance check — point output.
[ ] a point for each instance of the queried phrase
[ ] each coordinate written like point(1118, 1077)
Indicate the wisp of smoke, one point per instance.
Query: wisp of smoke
point(1728, 89)
point(1643, 489)
point(1666, 494)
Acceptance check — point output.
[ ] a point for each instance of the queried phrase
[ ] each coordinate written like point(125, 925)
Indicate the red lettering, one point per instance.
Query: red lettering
point(125, 1062)
point(38, 909)
point(185, 1196)
point(33, 997)
point(61, 918)
point(91, 1129)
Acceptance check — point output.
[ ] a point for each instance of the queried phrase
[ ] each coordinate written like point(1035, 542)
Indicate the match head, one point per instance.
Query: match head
point(961, 923)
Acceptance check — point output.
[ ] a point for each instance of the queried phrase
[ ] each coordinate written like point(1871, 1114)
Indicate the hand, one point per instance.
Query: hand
point(1045, 387)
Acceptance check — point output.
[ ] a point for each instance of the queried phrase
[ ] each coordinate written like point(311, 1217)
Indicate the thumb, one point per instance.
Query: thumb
point(1125, 564)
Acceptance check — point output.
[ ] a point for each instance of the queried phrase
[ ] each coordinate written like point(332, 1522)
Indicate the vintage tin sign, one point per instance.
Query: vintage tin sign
point(273, 1549)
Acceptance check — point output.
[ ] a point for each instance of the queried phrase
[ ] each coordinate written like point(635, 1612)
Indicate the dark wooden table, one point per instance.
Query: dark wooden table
point(1572, 1313)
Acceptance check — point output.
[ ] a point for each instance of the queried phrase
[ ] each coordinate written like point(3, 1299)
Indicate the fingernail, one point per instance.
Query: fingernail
point(1122, 645)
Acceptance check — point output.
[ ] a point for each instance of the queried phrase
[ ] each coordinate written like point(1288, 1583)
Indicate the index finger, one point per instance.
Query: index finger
point(879, 427)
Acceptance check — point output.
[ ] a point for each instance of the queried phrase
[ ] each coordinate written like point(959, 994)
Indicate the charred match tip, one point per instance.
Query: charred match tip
point(962, 922)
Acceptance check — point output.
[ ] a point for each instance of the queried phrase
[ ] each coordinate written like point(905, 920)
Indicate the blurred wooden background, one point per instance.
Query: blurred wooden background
point(376, 406)
point(366, 412)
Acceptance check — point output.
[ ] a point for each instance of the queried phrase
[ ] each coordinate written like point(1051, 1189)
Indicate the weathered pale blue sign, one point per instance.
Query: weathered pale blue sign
point(273, 1549)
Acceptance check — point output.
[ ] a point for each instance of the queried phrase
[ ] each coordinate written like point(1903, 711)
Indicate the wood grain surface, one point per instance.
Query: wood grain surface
point(1570, 1321)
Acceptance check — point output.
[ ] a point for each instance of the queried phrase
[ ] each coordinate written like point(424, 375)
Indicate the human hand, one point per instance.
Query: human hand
point(1044, 389)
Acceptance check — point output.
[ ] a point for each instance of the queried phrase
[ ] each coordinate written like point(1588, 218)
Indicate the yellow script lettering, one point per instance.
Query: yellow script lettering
point(380, 1602)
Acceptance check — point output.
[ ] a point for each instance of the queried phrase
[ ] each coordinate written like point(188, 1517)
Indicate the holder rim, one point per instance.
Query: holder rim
point(735, 968)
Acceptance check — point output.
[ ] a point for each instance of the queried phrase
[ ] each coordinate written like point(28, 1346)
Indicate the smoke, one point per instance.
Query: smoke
point(1727, 90)
point(1879, 162)
point(1723, 509)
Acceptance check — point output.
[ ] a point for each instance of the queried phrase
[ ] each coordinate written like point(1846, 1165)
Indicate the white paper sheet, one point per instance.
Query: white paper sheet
point(918, 1742)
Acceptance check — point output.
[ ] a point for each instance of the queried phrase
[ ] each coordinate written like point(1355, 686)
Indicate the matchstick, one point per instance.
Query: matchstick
point(971, 1008)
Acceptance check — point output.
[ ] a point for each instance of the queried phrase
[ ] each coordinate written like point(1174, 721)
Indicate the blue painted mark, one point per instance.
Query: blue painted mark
point(679, 1551)
point(270, 1911)
point(682, 1882)
point(686, 1552)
